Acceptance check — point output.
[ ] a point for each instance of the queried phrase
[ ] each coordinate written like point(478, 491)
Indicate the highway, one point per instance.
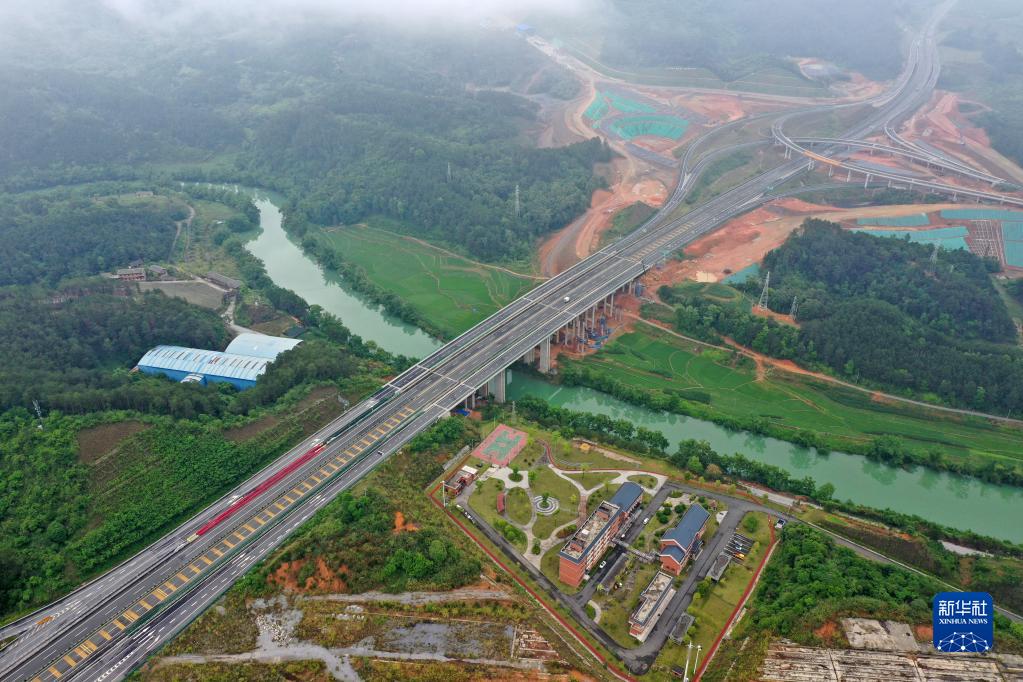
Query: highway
point(107, 627)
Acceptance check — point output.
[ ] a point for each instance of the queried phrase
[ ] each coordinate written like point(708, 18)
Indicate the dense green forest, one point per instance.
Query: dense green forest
point(879, 311)
point(43, 240)
point(735, 37)
point(430, 127)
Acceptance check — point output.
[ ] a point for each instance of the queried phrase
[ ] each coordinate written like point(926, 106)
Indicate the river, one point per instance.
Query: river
point(290, 268)
point(951, 500)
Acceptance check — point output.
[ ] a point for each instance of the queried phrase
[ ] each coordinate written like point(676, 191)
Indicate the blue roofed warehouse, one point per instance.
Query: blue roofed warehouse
point(244, 361)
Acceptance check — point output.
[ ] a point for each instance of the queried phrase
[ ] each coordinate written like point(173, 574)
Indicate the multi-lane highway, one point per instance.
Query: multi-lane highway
point(105, 628)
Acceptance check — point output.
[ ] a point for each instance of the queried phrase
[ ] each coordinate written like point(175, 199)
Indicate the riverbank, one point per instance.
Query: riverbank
point(950, 500)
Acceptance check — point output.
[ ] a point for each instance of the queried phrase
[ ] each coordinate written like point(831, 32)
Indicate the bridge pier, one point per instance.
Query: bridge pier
point(498, 386)
point(545, 355)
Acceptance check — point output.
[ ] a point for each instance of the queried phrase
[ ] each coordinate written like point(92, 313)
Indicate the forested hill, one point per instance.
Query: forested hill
point(413, 137)
point(45, 241)
point(348, 120)
point(878, 310)
point(823, 265)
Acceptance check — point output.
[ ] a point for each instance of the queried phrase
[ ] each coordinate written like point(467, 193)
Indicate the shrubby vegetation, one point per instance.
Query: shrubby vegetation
point(877, 310)
point(793, 602)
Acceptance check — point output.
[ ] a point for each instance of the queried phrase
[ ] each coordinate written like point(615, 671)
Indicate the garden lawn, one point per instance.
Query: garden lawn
point(546, 481)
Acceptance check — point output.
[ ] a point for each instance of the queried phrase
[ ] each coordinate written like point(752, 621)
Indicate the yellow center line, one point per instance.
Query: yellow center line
point(159, 594)
point(228, 544)
point(171, 586)
point(195, 569)
point(280, 507)
point(259, 520)
point(248, 527)
point(105, 635)
point(239, 536)
point(204, 558)
point(182, 578)
point(217, 552)
point(55, 672)
point(81, 652)
point(146, 605)
point(70, 661)
point(119, 624)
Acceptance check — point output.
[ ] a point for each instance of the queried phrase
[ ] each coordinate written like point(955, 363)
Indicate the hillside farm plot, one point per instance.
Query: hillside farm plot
point(450, 291)
point(717, 385)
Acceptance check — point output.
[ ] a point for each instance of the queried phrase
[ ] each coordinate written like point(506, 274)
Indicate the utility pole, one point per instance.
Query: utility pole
point(688, 654)
point(517, 200)
point(762, 303)
point(795, 306)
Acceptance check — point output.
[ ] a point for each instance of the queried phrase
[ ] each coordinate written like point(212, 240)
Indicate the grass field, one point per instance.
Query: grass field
point(451, 291)
point(547, 481)
point(518, 506)
point(652, 359)
point(591, 480)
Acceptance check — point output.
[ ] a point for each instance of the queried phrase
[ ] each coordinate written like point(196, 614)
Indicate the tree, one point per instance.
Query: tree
point(695, 465)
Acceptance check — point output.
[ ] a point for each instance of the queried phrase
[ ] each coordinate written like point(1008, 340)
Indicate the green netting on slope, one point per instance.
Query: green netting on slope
point(747, 273)
point(598, 108)
point(626, 105)
point(914, 220)
point(671, 127)
point(1012, 232)
point(945, 237)
point(980, 214)
point(1014, 254)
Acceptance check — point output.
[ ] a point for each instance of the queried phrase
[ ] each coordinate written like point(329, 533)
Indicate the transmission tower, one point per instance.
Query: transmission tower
point(795, 306)
point(449, 171)
point(762, 303)
point(517, 200)
point(39, 412)
point(934, 254)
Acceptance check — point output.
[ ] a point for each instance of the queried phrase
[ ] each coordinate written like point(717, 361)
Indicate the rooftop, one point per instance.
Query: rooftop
point(682, 626)
point(588, 534)
point(260, 345)
point(651, 598)
point(206, 362)
point(686, 530)
point(717, 569)
point(627, 495)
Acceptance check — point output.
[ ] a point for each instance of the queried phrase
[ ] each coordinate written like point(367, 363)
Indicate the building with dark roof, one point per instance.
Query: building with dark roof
point(652, 602)
point(584, 549)
point(678, 543)
point(229, 283)
point(131, 274)
point(682, 625)
point(717, 569)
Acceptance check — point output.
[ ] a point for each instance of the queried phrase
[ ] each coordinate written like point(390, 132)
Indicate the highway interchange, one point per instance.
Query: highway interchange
point(83, 638)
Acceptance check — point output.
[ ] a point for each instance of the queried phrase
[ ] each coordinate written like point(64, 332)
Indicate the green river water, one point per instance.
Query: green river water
point(951, 500)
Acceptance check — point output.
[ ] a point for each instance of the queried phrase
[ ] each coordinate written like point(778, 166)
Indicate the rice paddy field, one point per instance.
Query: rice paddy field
point(654, 360)
point(453, 292)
